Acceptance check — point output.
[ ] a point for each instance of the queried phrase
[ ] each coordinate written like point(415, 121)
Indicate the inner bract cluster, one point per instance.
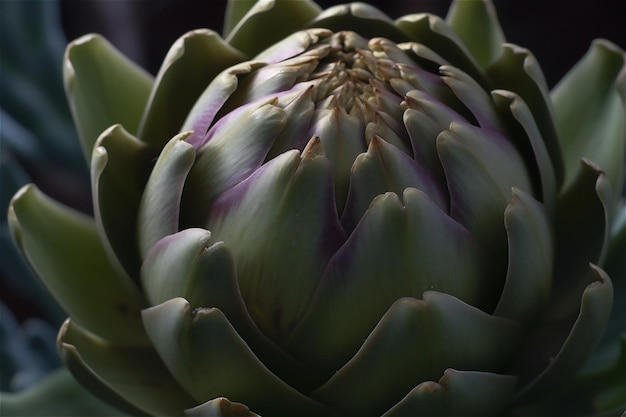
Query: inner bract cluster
point(322, 141)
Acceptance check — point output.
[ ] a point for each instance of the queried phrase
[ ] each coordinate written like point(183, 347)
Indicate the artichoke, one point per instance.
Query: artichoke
point(330, 212)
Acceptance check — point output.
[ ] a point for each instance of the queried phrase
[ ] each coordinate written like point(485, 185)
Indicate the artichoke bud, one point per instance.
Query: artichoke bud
point(383, 118)
point(369, 217)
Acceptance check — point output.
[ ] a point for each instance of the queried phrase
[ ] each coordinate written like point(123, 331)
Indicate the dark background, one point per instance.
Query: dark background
point(558, 32)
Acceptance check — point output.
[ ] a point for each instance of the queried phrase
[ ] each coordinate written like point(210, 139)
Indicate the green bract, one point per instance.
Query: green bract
point(334, 213)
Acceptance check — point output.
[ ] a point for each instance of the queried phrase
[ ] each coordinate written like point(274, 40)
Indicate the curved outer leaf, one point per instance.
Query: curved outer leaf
point(120, 167)
point(103, 88)
point(414, 342)
point(581, 298)
point(401, 248)
point(481, 167)
point(202, 114)
point(341, 137)
point(293, 45)
point(589, 113)
point(359, 17)
point(582, 229)
point(288, 202)
point(517, 70)
point(595, 309)
point(191, 64)
point(437, 35)
point(271, 79)
point(524, 133)
point(300, 111)
point(506, 113)
point(187, 264)
point(64, 248)
point(235, 11)
point(275, 19)
point(132, 379)
point(210, 360)
point(159, 208)
point(531, 249)
point(458, 393)
point(237, 147)
point(424, 120)
point(473, 96)
point(247, 81)
point(465, 17)
point(615, 267)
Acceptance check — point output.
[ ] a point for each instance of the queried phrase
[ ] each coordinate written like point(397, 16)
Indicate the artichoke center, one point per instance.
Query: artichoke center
point(351, 76)
point(358, 92)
